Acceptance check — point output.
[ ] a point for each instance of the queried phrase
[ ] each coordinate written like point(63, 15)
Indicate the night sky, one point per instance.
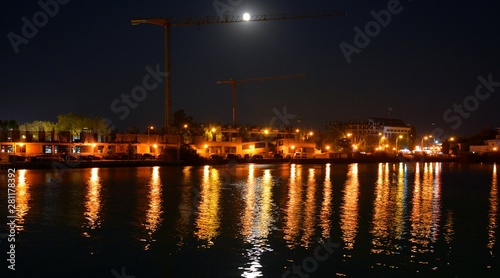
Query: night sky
point(424, 63)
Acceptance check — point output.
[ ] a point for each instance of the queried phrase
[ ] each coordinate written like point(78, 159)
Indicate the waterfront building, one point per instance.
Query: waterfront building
point(375, 134)
point(492, 145)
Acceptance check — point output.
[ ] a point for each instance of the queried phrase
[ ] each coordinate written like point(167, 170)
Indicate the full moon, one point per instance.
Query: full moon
point(246, 16)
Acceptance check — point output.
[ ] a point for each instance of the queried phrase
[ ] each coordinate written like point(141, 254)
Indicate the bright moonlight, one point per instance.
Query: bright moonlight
point(246, 16)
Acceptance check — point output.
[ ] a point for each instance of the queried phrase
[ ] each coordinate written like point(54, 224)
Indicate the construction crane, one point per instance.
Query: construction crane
point(234, 83)
point(167, 23)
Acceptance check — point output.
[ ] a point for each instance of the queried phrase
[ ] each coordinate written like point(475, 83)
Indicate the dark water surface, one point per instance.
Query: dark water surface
point(339, 220)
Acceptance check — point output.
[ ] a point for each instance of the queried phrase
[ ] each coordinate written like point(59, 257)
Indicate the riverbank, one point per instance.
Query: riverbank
point(201, 162)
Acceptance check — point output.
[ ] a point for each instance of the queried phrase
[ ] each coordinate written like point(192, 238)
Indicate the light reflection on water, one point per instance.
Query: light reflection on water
point(93, 201)
point(493, 213)
point(293, 210)
point(189, 199)
point(310, 210)
point(208, 218)
point(325, 220)
point(425, 214)
point(22, 199)
point(386, 216)
point(154, 211)
point(256, 220)
point(349, 208)
point(388, 206)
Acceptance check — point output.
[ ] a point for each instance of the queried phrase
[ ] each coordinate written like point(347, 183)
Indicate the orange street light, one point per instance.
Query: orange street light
point(399, 137)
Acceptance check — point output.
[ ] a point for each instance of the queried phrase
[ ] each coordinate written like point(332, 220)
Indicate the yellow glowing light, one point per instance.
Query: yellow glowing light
point(246, 17)
point(213, 129)
point(185, 126)
point(400, 136)
point(297, 130)
point(495, 149)
point(93, 145)
point(155, 146)
point(328, 147)
point(452, 139)
point(266, 131)
point(206, 146)
point(293, 147)
point(311, 133)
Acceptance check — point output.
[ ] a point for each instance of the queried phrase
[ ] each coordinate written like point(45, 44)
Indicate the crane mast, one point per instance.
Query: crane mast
point(167, 23)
